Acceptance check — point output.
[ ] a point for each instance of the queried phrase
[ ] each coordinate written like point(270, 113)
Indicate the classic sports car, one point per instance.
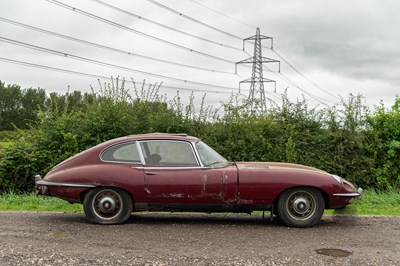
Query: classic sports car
point(176, 172)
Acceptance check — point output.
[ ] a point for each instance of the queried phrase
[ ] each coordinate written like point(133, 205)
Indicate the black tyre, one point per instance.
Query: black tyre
point(301, 207)
point(107, 206)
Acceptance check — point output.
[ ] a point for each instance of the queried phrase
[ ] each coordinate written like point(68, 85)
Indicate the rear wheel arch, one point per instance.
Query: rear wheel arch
point(82, 195)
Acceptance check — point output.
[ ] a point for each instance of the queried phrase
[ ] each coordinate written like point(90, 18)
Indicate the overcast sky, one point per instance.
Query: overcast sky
point(334, 47)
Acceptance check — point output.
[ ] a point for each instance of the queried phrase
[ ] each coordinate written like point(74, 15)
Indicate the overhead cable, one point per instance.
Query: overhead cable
point(224, 15)
point(72, 72)
point(318, 99)
point(193, 19)
point(302, 75)
point(112, 23)
point(108, 47)
point(270, 48)
point(164, 26)
point(63, 54)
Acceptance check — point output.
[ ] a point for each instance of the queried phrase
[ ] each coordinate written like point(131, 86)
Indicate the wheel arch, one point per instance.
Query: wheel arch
point(83, 193)
point(323, 192)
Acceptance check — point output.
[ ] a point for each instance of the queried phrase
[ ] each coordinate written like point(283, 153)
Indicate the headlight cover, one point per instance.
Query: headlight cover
point(337, 178)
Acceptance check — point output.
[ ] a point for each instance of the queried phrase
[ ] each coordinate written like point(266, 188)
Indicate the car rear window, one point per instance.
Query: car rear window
point(121, 153)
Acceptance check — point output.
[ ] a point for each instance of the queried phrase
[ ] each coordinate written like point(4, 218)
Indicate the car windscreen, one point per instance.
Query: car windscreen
point(208, 156)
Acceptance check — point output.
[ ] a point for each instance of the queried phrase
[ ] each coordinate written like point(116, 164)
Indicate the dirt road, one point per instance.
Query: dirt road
point(29, 238)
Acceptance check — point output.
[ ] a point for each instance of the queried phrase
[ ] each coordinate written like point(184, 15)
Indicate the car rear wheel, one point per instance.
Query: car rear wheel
point(107, 206)
point(301, 207)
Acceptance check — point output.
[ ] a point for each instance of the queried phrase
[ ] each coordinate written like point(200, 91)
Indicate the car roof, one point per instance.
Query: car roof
point(158, 135)
point(152, 136)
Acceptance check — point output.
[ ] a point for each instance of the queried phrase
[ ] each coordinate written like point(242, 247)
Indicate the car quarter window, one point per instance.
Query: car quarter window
point(123, 153)
point(168, 153)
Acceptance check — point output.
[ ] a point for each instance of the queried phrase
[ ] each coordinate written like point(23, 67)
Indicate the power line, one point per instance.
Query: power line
point(112, 23)
point(318, 99)
point(270, 48)
point(164, 26)
point(302, 75)
point(77, 73)
point(198, 21)
point(63, 54)
point(108, 47)
point(289, 81)
point(224, 15)
point(193, 19)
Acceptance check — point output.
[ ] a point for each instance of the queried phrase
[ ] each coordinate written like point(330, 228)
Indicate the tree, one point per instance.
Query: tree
point(10, 106)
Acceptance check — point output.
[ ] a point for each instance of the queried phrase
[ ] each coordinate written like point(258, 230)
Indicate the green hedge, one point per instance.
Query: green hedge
point(347, 140)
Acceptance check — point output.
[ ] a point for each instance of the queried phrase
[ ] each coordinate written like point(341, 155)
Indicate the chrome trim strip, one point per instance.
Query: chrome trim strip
point(172, 168)
point(355, 194)
point(62, 184)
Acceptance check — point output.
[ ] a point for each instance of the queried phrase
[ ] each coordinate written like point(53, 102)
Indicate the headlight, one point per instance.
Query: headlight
point(338, 179)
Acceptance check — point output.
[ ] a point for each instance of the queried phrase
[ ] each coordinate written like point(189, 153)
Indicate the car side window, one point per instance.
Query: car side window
point(121, 153)
point(168, 153)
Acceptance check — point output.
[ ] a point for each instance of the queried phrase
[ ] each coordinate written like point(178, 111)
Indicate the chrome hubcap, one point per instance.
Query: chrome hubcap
point(107, 204)
point(301, 205)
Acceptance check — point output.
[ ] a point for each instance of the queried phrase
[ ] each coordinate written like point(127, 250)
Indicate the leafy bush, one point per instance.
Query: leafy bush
point(384, 125)
point(346, 139)
point(62, 131)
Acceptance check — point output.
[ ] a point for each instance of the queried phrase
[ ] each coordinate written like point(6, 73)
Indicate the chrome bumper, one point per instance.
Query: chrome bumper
point(40, 189)
point(41, 186)
point(357, 194)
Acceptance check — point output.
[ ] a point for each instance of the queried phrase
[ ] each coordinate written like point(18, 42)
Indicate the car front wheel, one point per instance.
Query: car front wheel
point(301, 207)
point(107, 206)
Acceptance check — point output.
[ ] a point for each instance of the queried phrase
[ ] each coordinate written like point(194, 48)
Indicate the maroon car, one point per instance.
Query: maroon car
point(176, 172)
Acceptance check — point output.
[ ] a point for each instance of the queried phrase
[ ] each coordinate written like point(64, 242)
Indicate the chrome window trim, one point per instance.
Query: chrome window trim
point(171, 168)
point(197, 153)
point(140, 151)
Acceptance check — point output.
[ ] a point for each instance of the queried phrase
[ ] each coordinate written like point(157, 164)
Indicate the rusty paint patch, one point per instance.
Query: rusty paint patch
point(204, 185)
point(147, 191)
point(171, 195)
point(245, 201)
point(174, 195)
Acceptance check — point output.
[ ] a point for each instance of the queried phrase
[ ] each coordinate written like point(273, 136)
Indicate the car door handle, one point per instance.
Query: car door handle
point(151, 173)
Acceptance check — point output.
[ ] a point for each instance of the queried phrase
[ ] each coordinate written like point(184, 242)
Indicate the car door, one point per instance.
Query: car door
point(173, 174)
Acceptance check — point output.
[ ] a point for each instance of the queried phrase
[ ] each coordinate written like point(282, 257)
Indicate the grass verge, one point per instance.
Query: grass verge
point(372, 203)
point(30, 202)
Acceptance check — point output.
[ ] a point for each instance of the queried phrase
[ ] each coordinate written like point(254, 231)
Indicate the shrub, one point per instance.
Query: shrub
point(346, 139)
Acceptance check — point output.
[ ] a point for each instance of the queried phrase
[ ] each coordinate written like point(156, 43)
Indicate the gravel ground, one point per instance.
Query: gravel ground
point(38, 238)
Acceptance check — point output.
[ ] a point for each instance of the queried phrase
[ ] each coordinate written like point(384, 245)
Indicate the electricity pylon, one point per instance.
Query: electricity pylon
point(257, 100)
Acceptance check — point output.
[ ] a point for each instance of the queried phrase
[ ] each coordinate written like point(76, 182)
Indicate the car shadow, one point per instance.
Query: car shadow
point(167, 218)
point(205, 219)
point(231, 219)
